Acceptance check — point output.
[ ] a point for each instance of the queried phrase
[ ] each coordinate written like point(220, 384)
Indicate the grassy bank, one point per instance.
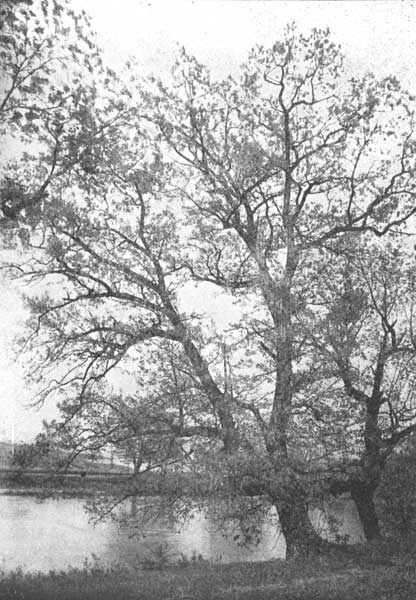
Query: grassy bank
point(365, 575)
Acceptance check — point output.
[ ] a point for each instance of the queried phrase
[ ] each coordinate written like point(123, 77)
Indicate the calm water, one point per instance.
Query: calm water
point(39, 535)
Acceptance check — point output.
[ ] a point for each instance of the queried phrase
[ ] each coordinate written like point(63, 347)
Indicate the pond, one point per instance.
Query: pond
point(40, 535)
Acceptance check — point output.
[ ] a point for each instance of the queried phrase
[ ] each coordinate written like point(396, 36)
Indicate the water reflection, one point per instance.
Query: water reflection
point(57, 533)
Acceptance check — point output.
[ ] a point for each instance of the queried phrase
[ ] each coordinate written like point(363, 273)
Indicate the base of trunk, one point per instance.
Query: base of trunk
point(301, 538)
point(363, 496)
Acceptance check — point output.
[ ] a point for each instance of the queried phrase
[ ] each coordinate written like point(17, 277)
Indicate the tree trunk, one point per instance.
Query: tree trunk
point(363, 496)
point(301, 538)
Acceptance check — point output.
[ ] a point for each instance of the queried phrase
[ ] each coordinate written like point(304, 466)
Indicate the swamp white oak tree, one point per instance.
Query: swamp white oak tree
point(248, 184)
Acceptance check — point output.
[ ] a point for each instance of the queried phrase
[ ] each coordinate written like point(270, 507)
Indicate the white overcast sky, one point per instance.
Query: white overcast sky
point(375, 35)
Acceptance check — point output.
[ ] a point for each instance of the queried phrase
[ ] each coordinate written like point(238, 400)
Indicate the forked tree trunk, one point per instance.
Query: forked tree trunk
point(363, 496)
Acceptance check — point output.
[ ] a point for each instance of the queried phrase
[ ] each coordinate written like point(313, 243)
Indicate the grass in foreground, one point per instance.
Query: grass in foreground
point(365, 576)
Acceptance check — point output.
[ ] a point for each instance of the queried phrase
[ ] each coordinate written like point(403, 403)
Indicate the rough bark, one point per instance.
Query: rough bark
point(301, 538)
point(363, 496)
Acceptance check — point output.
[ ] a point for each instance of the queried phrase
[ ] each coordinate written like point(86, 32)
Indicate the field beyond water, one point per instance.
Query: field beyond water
point(375, 573)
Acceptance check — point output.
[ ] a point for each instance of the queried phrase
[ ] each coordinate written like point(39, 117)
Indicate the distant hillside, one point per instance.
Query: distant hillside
point(55, 458)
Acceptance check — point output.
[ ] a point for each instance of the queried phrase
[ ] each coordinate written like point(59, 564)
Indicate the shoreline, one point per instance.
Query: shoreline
point(39, 492)
point(42, 490)
point(363, 575)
